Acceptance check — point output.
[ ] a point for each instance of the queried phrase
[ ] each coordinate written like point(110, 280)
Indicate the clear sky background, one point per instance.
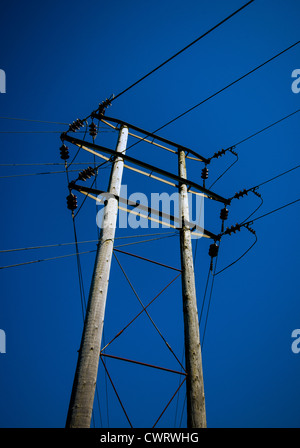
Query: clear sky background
point(61, 59)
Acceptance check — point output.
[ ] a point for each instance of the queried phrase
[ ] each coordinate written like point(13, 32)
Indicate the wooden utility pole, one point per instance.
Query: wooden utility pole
point(196, 414)
point(83, 392)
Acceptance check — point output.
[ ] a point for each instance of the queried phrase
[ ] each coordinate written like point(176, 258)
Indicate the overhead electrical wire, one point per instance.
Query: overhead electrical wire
point(31, 132)
point(83, 242)
point(226, 87)
point(79, 271)
point(256, 187)
point(267, 127)
point(45, 259)
point(42, 164)
point(114, 97)
point(275, 177)
point(226, 170)
point(181, 51)
point(248, 138)
point(42, 132)
point(260, 131)
point(81, 253)
point(222, 90)
point(34, 121)
point(36, 174)
point(254, 211)
point(245, 224)
point(209, 301)
point(239, 258)
point(271, 212)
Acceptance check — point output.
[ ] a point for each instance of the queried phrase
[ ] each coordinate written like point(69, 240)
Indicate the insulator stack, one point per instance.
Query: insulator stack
point(64, 152)
point(204, 174)
point(93, 130)
point(219, 153)
point(213, 252)
point(232, 229)
point(72, 201)
point(103, 106)
point(76, 125)
point(101, 109)
point(240, 194)
point(86, 174)
point(223, 216)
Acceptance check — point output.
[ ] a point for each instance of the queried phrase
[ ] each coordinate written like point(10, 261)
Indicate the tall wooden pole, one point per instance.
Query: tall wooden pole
point(83, 392)
point(196, 414)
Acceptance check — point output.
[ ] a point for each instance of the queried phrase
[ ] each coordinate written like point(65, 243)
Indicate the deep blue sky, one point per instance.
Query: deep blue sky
point(61, 59)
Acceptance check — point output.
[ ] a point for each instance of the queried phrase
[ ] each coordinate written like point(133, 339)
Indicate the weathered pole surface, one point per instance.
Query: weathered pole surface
point(83, 392)
point(196, 413)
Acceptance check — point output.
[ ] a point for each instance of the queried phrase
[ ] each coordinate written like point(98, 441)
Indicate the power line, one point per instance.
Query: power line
point(84, 242)
point(148, 240)
point(267, 127)
point(74, 158)
point(37, 174)
point(253, 189)
point(257, 208)
point(184, 403)
point(275, 177)
point(222, 90)
point(79, 270)
point(230, 148)
point(45, 259)
point(209, 300)
point(31, 132)
point(226, 87)
point(226, 170)
point(77, 253)
point(34, 121)
point(108, 102)
point(272, 211)
point(106, 388)
point(42, 164)
point(46, 173)
point(245, 224)
point(43, 132)
point(182, 50)
point(247, 138)
point(239, 258)
point(82, 204)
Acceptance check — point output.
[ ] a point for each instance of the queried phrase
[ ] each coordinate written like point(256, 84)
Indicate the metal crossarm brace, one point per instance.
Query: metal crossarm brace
point(180, 180)
point(152, 135)
point(134, 204)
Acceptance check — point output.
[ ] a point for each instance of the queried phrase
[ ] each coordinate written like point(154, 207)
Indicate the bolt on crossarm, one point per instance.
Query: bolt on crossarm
point(83, 392)
point(196, 413)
